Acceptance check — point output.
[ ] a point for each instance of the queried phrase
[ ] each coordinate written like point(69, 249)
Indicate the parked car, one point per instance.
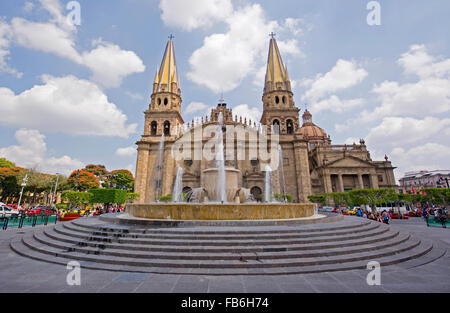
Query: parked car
point(69, 216)
point(6, 211)
point(41, 210)
point(326, 209)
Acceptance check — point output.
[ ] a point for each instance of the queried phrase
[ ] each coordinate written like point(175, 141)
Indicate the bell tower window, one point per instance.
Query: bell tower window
point(166, 128)
point(276, 126)
point(154, 128)
point(289, 127)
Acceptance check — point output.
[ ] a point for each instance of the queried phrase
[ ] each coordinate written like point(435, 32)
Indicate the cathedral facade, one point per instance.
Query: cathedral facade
point(309, 162)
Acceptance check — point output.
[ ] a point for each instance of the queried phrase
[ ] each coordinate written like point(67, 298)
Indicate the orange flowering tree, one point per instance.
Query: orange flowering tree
point(82, 180)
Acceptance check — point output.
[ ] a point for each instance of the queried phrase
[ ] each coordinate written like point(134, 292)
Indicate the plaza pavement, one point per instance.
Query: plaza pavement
point(23, 275)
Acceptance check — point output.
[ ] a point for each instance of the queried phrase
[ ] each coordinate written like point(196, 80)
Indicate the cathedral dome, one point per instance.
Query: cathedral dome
point(311, 131)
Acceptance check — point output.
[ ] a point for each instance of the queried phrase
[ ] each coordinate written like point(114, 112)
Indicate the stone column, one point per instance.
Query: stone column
point(302, 171)
point(360, 181)
point(327, 182)
point(341, 183)
point(142, 168)
point(374, 181)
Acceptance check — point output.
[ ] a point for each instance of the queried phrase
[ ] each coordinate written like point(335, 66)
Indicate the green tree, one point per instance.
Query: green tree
point(131, 196)
point(121, 179)
point(109, 196)
point(4, 163)
point(319, 199)
point(77, 198)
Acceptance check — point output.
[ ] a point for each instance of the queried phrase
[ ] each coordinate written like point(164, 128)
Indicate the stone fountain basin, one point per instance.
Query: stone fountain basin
point(217, 212)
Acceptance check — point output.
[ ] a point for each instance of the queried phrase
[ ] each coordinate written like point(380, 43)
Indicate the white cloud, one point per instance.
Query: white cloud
point(251, 113)
point(193, 14)
point(225, 59)
point(45, 37)
point(194, 107)
point(110, 64)
point(68, 105)
point(335, 104)
point(343, 75)
point(417, 61)
point(395, 131)
point(429, 156)
point(430, 94)
point(28, 7)
point(107, 61)
point(5, 41)
point(126, 152)
point(31, 152)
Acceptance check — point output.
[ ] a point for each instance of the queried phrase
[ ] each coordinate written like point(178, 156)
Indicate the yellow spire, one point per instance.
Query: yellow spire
point(168, 73)
point(276, 72)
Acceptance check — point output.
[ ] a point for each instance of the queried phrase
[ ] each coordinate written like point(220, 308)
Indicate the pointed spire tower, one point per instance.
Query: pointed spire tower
point(164, 113)
point(278, 99)
point(276, 75)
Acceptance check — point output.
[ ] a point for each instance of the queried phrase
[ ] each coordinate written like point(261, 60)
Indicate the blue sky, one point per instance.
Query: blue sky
point(73, 95)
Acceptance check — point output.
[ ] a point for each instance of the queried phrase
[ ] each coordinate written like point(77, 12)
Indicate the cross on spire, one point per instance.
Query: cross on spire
point(221, 100)
point(272, 34)
point(171, 36)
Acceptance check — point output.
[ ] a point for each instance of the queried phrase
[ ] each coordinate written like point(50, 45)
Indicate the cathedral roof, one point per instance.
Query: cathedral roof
point(168, 73)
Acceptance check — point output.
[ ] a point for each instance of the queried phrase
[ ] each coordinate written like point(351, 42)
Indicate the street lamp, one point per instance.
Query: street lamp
point(56, 186)
point(24, 183)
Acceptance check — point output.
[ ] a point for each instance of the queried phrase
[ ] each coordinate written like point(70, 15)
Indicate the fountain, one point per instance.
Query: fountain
point(220, 197)
point(268, 185)
point(220, 163)
point(177, 195)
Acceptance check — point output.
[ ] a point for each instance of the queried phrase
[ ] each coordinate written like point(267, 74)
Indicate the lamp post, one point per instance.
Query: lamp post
point(56, 186)
point(24, 183)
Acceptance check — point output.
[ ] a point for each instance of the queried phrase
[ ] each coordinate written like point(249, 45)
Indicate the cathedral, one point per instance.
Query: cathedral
point(310, 163)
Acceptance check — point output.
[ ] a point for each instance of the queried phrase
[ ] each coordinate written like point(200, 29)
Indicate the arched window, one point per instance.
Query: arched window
point(159, 101)
point(166, 101)
point(276, 126)
point(277, 99)
point(284, 99)
point(154, 128)
point(166, 128)
point(256, 192)
point(187, 189)
point(289, 127)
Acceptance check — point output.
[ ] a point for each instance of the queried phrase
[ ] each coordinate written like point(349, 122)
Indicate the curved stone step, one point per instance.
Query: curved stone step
point(274, 253)
point(49, 232)
point(335, 226)
point(228, 242)
point(397, 257)
point(286, 234)
point(31, 243)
